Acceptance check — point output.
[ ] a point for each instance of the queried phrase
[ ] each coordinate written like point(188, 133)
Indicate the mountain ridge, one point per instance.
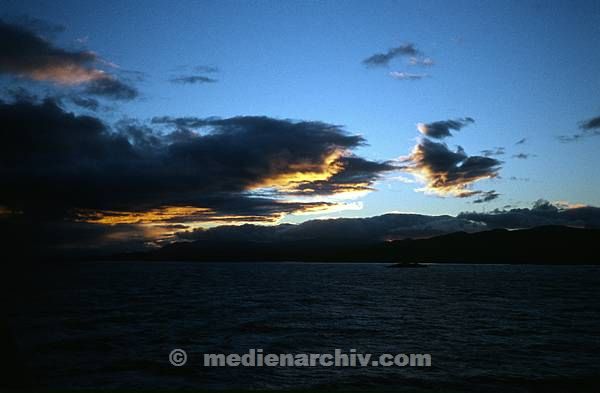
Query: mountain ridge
point(545, 244)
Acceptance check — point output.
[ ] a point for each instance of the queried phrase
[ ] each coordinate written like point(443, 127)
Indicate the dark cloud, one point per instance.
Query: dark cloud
point(38, 25)
point(57, 164)
point(498, 151)
point(63, 171)
point(447, 172)
point(383, 59)
point(441, 129)
point(486, 196)
point(111, 88)
point(33, 237)
point(588, 128)
point(192, 79)
point(591, 124)
point(521, 141)
point(28, 55)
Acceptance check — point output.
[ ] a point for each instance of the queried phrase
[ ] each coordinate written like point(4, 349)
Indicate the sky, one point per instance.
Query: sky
point(429, 107)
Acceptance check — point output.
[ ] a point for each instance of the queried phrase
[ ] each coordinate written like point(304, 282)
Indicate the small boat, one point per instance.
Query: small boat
point(407, 265)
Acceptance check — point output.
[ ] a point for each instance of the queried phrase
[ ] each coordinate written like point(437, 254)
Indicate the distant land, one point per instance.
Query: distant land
point(539, 245)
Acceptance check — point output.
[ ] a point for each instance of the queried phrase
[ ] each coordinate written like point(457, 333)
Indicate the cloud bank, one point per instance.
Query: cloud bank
point(248, 168)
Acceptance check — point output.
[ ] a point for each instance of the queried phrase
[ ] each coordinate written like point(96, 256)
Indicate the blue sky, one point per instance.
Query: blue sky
point(519, 69)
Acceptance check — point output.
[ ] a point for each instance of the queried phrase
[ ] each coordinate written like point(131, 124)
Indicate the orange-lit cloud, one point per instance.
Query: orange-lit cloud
point(158, 215)
point(67, 74)
point(195, 217)
point(289, 176)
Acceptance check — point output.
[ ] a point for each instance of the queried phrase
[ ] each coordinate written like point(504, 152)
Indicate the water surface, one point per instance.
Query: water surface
point(488, 327)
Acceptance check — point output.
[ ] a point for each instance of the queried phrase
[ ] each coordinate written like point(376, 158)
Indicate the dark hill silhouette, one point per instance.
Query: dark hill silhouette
point(540, 245)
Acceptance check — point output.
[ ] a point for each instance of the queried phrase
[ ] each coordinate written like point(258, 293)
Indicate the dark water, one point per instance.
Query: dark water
point(488, 328)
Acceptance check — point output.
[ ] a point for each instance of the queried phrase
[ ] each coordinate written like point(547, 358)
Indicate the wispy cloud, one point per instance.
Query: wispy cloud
point(205, 69)
point(192, 79)
point(421, 61)
point(383, 59)
point(588, 128)
point(523, 156)
point(407, 76)
point(498, 151)
point(198, 75)
point(487, 196)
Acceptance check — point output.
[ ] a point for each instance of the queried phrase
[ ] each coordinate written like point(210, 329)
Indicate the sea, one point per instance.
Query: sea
point(487, 328)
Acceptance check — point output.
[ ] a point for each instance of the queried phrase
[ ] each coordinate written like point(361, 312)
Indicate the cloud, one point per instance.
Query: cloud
point(421, 61)
point(407, 76)
point(196, 76)
point(356, 175)
point(441, 129)
point(25, 54)
point(521, 141)
point(36, 24)
point(590, 124)
point(498, 151)
point(180, 123)
point(383, 59)
point(515, 178)
point(28, 55)
point(192, 79)
point(487, 196)
point(243, 169)
point(112, 88)
point(523, 156)
point(589, 128)
point(446, 172)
